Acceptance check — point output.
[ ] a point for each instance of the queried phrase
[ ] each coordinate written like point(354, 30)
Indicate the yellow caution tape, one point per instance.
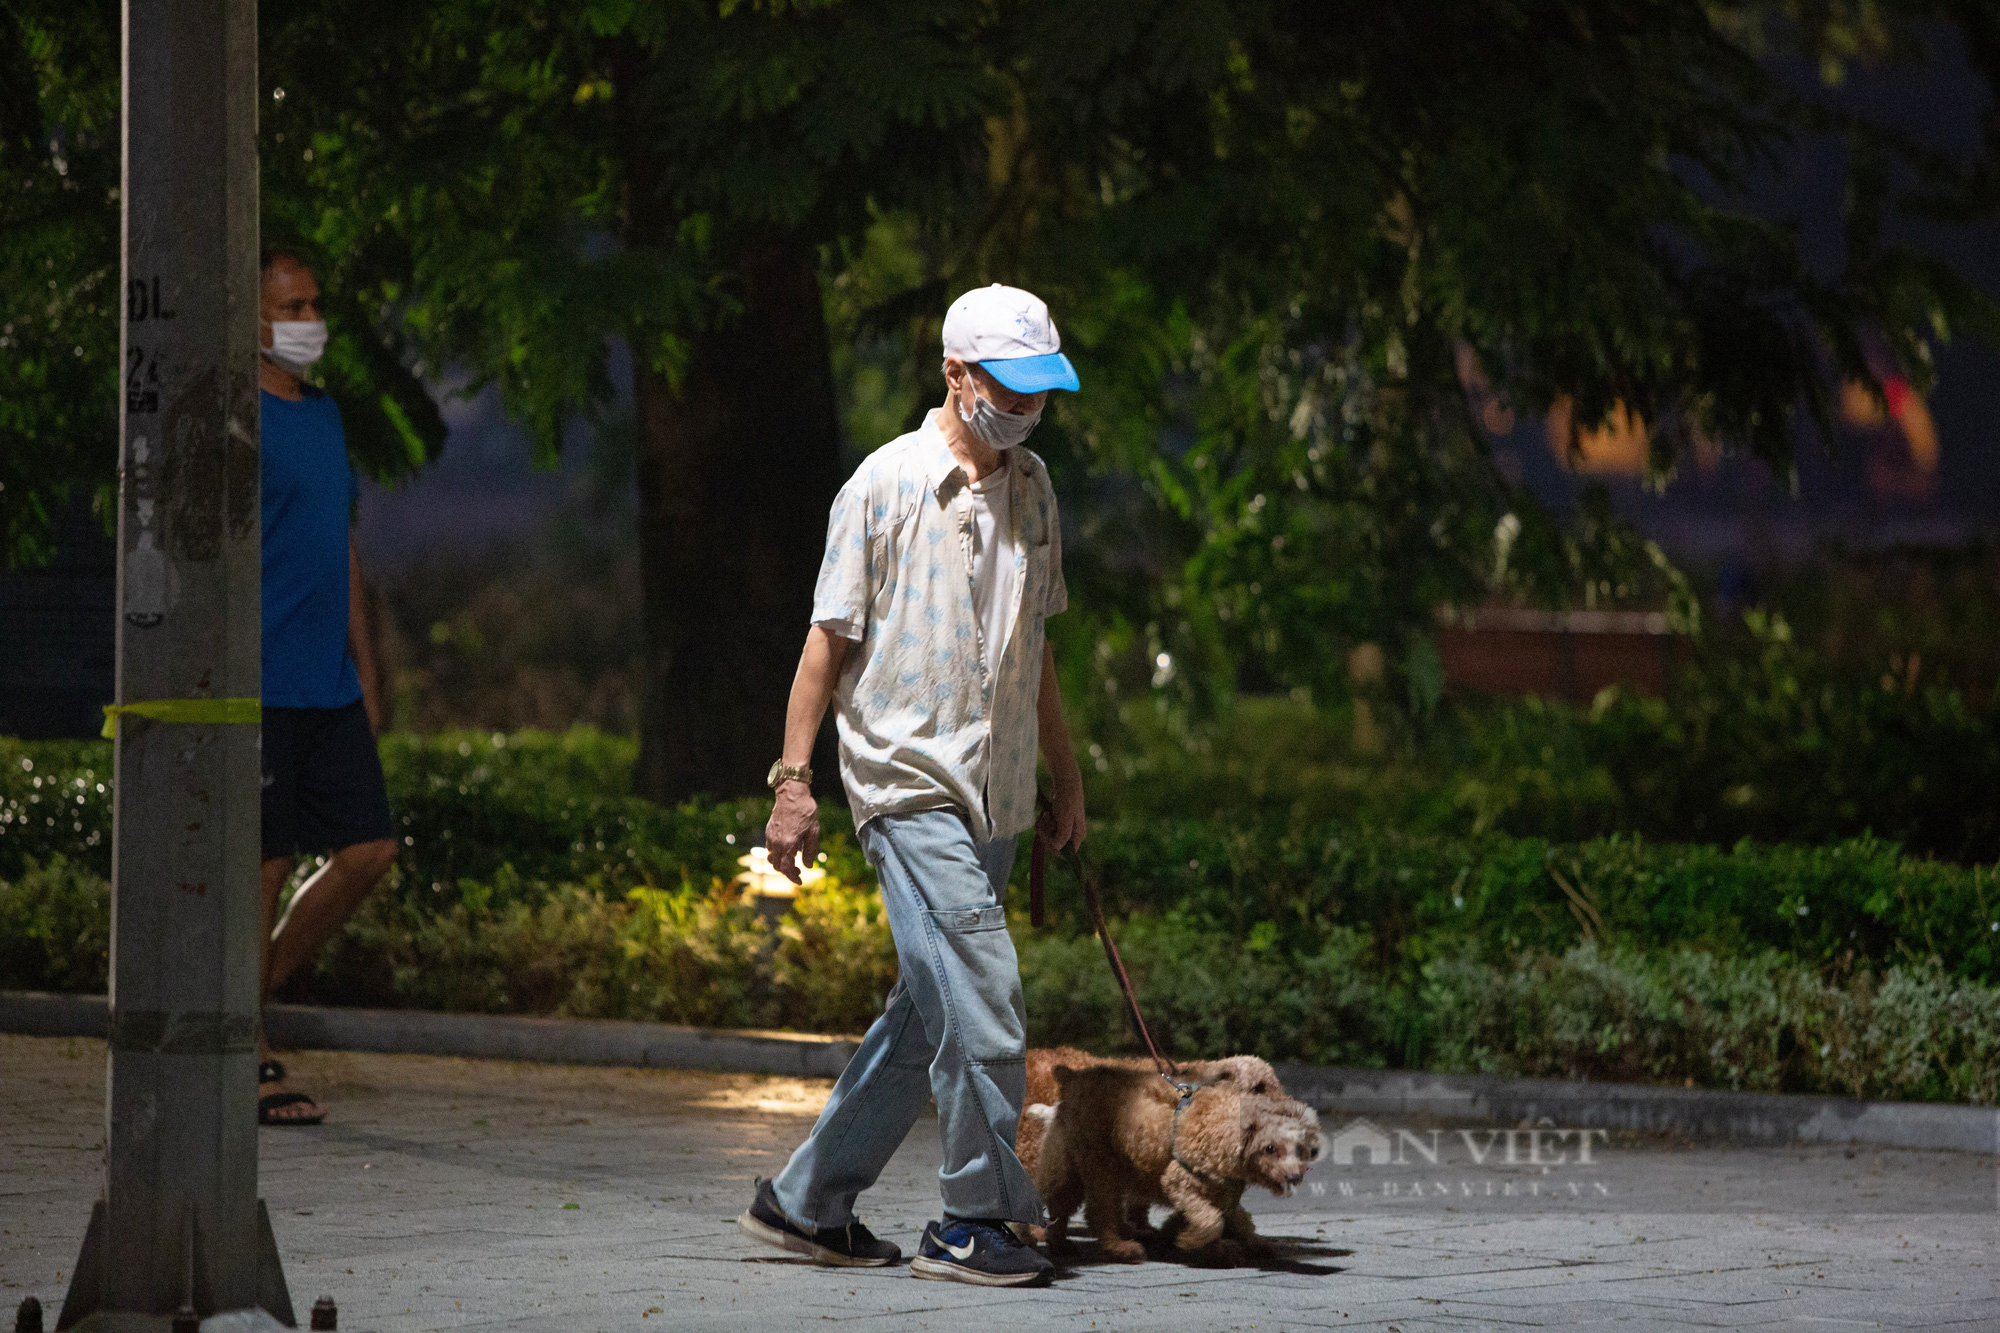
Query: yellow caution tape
point(202, 712)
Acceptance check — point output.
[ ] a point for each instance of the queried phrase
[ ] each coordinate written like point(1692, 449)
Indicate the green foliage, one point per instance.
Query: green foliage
point(518, 183)
point(1757, 1020)
point(59, 297)
point(1766, 744)
point(60, 103)
point(545, 634)
point(1760, 1022)
point(1847, 967)
point(1203, 990)
point(512, 816)
point(1286, 242)
point(553, 808)
point(1762, 740)
point(55, 927)
point(1919, 615)
point(1423, 897)
point(55, 802)
point(1291, 242)
point(691, 954)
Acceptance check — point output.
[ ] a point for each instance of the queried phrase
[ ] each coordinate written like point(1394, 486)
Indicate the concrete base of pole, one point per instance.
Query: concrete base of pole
point(229, 1321)
point(86, 1285)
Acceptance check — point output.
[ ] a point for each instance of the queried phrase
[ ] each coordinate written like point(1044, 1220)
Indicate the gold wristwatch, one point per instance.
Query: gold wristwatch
point(784, 772)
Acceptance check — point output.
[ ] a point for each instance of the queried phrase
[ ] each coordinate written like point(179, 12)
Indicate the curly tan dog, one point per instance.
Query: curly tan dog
point(1112, 1145)
point(1237, 1226)
point(1247, 1073)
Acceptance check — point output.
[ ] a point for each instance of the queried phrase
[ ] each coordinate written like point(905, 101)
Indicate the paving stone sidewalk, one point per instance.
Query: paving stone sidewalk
point(447, 1193)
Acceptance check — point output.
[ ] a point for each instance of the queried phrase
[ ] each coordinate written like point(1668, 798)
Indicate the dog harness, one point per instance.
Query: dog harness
point(1187, 1092)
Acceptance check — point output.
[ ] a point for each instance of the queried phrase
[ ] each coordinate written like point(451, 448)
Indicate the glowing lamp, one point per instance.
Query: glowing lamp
point(768, 890)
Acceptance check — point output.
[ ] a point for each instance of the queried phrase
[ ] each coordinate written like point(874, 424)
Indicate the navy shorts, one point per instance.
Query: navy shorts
point(323, 785)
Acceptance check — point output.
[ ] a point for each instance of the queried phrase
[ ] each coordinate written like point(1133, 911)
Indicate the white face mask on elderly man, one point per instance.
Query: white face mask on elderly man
point(992, 427)
point(297, 343)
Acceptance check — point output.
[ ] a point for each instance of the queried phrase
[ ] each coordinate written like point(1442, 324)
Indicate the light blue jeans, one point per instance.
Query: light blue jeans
point(954, 1029)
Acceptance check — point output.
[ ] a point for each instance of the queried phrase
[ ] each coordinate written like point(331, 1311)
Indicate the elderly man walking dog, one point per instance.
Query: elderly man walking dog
point(943, 558)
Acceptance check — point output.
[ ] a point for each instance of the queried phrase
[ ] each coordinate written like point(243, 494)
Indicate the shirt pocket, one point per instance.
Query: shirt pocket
point(1036, 511)
point(889, 539)
point(1035, 588)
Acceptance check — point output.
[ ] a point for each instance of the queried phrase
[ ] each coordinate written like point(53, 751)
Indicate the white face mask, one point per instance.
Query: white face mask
point(994, 428)
point(296, 343)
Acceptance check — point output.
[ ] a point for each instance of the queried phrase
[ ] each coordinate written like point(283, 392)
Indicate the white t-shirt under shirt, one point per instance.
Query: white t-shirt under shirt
point(996, 575)
point(996, 578)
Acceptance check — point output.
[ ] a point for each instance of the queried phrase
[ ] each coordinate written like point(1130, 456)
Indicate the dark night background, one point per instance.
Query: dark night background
point(484, 510)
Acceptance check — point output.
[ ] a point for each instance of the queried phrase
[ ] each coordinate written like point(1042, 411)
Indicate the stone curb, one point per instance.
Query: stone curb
point(1697, 1113)
point(482, 1036)
point(1737, 1117)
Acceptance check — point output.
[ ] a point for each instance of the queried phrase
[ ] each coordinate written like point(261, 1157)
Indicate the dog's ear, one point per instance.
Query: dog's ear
point(1063, 1074)
point(1252, 1117)
point(1311, 1147)
point(1264, 1123)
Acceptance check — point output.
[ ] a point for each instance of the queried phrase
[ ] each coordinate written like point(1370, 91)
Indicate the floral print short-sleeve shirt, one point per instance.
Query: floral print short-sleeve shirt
point(929, 714)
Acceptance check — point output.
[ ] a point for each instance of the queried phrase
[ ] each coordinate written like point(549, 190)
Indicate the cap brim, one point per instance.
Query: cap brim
point(1033, 374)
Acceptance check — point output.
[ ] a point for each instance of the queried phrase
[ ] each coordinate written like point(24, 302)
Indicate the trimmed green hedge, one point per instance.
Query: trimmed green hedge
point(531, 880)
point(1763, 1022)
point(1425, 897)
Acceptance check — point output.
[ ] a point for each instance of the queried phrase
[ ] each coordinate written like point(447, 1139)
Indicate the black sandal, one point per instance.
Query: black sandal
point(272, 1072)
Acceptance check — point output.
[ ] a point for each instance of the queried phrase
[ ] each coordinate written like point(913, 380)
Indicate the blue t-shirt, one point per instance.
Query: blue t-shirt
point(309, 495)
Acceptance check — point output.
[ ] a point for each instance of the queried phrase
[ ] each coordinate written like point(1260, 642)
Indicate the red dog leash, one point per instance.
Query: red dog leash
point(1037, 870)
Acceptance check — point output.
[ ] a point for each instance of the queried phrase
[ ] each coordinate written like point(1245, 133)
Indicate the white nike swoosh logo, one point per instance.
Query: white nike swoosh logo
point(956, 1251)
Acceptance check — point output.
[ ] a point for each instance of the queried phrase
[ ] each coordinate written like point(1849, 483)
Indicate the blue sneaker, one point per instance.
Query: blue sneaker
point(986, 1254)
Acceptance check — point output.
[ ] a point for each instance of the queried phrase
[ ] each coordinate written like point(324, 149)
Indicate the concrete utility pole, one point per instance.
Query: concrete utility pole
point(180, 1239)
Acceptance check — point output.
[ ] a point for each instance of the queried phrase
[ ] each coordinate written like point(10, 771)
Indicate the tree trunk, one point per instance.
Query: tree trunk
point(736, 472)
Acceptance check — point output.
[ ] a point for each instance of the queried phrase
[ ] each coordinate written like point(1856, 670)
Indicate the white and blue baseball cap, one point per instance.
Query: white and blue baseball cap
point(1009, 333)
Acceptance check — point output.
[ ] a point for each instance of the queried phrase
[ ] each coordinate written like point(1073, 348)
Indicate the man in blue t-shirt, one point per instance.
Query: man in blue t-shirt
point(323, 790)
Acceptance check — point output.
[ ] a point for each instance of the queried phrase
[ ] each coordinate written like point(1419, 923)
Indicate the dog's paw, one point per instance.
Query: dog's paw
point(1218, 1254)
point(1125, 1251)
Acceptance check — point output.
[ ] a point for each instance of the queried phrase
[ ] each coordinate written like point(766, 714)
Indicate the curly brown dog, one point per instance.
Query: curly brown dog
point(1247, 1073)
point(1112, 1145)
